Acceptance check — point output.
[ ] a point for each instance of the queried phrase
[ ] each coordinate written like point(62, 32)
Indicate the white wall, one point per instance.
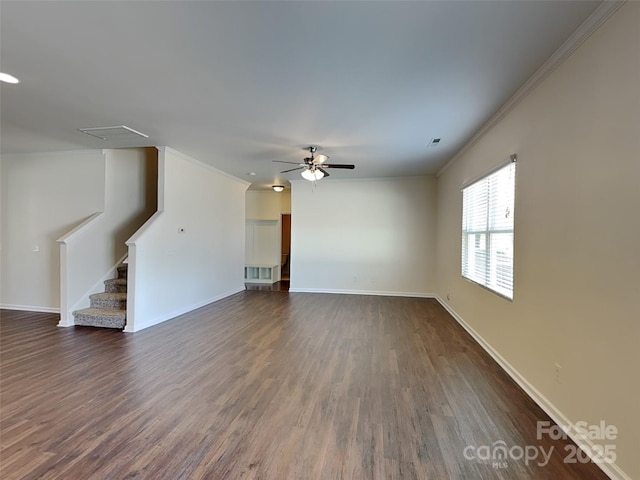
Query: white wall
point(43, 197)
point(173, 271)
point(577, 234)
point(364, 236)
point(267, 205)
point(262, 242)
point(131, 190)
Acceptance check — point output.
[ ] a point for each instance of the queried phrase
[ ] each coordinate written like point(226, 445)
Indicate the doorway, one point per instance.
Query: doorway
point(285, 254)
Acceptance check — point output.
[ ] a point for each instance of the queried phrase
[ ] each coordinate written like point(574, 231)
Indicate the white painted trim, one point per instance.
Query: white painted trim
point(599, 16)
point(67, 237)
point(181, 311)
point(64, 287)
point(66, 321)
point(362, 292)
point(202, 164)
point(66, 318)
point(145, 226)
point(29, 308)
point(130, 321)
point(610, 469)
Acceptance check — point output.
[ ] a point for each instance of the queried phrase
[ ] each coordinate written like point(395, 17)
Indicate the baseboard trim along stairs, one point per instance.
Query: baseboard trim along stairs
point(108, 309)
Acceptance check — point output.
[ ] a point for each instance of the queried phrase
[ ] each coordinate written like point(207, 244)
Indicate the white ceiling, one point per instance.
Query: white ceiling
point(239, 84)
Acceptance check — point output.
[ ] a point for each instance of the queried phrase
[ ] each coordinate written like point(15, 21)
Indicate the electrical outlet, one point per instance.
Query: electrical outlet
point(557, 368)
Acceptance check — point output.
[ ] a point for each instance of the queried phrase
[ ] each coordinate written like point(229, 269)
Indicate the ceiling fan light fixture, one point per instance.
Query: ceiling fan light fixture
point(321, 158)
point(312, 175)
point(277, 188)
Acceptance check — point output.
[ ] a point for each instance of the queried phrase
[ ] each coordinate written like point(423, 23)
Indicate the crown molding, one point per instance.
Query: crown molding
point(599, 16)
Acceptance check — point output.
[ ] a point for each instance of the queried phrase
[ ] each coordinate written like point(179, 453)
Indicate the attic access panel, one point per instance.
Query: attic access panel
point(117, 132)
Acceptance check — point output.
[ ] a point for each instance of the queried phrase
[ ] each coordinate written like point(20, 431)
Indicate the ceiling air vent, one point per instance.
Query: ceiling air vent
point(117, 132)
point(434, 142)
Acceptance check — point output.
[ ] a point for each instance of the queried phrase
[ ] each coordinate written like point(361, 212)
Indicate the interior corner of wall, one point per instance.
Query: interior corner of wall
point(161, 177)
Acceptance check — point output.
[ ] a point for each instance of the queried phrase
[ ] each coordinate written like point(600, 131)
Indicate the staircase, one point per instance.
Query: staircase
point(108, 309)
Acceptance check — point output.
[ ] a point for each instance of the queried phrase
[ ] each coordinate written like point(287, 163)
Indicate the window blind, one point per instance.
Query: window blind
point(487, 230)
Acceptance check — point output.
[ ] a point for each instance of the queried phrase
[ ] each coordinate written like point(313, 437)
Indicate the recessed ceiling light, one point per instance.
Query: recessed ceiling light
point(253, 174)
point(5, 77)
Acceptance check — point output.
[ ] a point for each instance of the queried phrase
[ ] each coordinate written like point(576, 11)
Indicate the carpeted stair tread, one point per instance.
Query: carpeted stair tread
point(100, 317)
point(101, 311)
point(112, 300)
point(109, 308)
point(113, 295)
point(114, 285)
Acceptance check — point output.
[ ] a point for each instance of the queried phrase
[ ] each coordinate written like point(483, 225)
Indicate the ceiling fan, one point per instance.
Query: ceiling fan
point(314, 166)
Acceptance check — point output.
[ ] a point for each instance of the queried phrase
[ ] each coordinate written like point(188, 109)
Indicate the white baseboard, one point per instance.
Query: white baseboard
point(362, 292)
point(65, 323)
point(610, 469)
point(30, 308)
point(176, 313)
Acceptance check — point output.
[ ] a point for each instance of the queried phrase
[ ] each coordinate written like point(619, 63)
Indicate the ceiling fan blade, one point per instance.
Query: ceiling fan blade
point(338, 165)
point(320, 159)
point(292, 169)
point(282, 161)
point(326, 174)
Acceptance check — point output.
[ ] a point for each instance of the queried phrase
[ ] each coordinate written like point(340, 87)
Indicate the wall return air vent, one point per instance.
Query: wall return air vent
point(117, 132)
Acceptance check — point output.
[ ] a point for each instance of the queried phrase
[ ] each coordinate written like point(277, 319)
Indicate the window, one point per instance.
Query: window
point(487, 230)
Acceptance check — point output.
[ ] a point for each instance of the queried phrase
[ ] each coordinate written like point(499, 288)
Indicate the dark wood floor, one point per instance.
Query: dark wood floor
point(264, 385)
